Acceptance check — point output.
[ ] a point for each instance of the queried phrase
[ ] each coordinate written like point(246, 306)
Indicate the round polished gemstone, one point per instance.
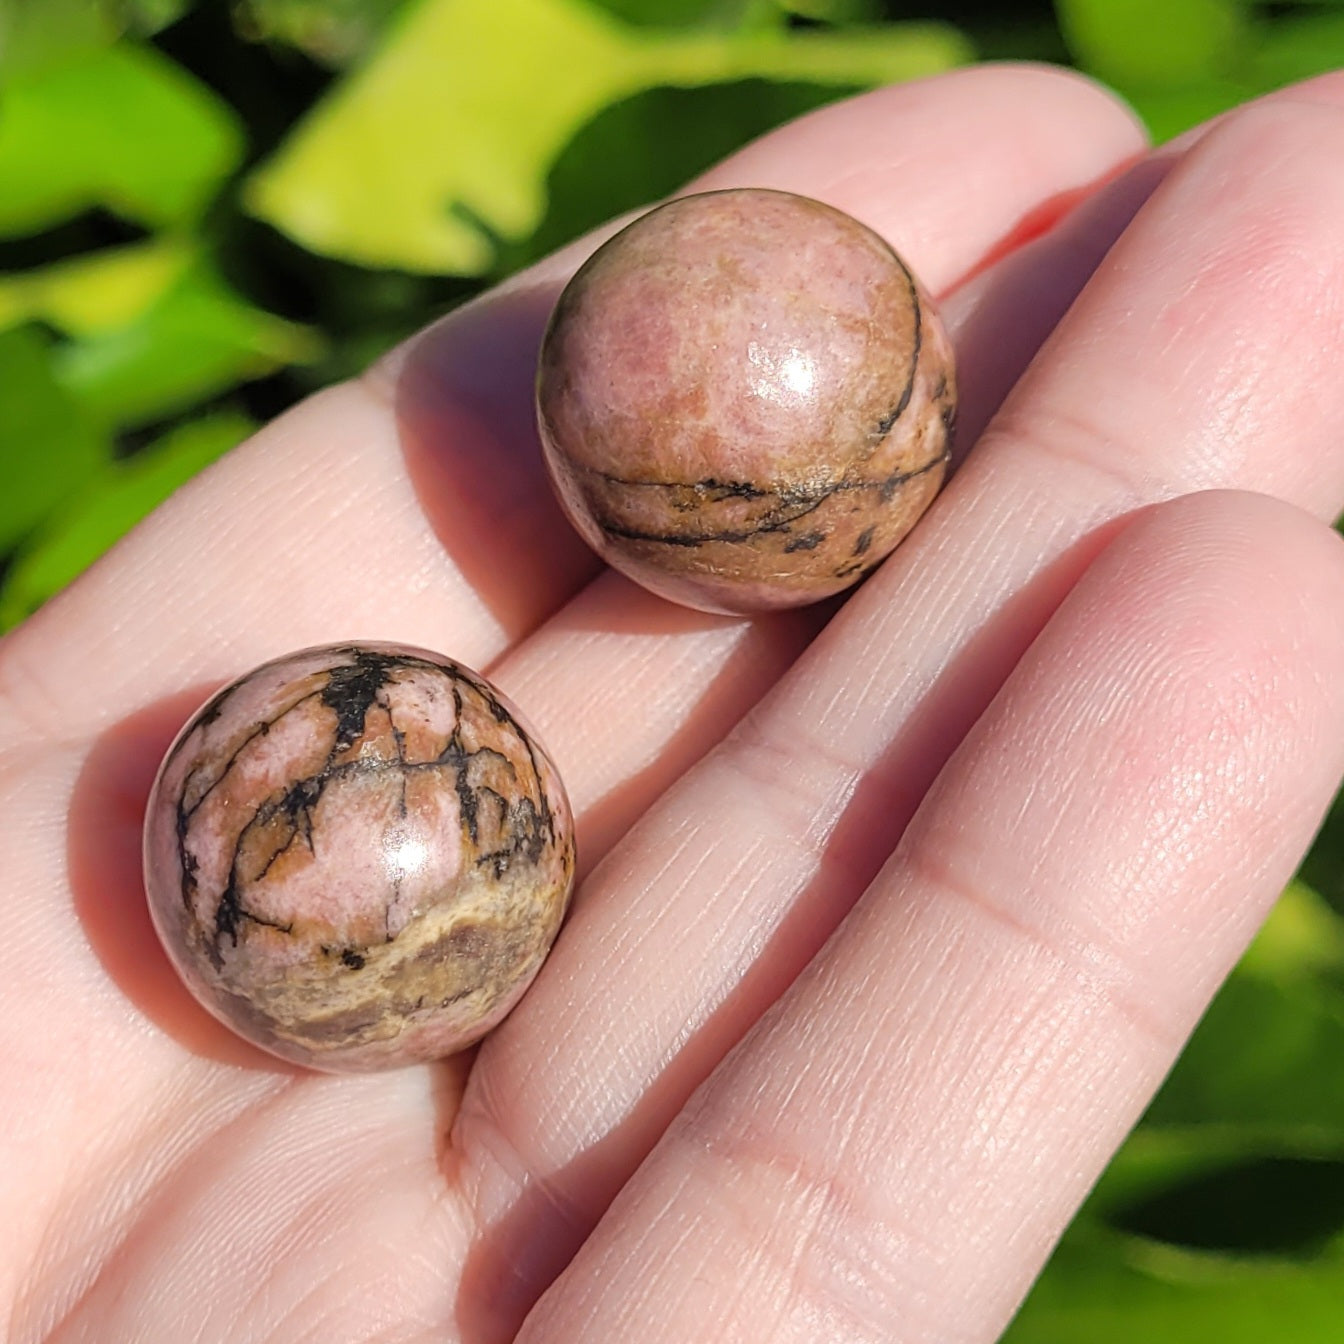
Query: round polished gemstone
point(357, 856)
point(745, 400)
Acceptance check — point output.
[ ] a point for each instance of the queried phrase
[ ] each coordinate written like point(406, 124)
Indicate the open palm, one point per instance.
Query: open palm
point(895, 911)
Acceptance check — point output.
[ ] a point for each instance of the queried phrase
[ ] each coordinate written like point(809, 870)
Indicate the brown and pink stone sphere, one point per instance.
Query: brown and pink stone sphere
point(745, 400)
point(357, 857)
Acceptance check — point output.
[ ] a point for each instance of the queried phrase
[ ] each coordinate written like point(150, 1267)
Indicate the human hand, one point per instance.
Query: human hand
point(1049, 766)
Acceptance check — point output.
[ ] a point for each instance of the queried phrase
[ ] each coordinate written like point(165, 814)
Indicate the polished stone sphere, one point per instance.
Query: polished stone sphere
point(745, 400)
point(358, 857)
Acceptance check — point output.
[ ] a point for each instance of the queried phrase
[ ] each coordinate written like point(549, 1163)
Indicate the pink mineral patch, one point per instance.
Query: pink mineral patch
point(358, 856)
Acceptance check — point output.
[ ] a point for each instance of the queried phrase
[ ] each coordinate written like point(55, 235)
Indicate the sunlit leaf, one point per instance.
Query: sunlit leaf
point(197, 340)
point(120, 127)
point(99, 292)
point(48, 446)
point(1302, 942)
point(1155, 43)
point(1265, 1055)
point(109, 506)
point(441, 145)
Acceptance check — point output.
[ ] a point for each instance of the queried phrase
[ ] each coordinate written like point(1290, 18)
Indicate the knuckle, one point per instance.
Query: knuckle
point(1073, 451)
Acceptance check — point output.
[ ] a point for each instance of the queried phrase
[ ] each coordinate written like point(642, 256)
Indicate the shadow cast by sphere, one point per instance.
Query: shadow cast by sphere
point(1013, 300)
point(767, 647)
point(463, 398)
point(106, 819)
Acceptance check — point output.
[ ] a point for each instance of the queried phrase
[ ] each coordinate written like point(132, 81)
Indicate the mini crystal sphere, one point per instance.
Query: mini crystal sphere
point(358, 857)
point(745, 400)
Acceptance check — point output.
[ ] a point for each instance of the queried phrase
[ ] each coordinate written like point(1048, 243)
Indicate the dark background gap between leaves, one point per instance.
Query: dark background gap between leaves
point(162, 292)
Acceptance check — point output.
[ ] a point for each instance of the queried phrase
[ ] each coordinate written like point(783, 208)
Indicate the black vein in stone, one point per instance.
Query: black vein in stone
point(501, 715)
point(885, 425)
point(262, 728)
point(885, 489)
point(402, 811)
point(349, 690)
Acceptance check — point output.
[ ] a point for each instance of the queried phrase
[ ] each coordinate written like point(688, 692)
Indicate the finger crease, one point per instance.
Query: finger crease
point(1098, 971)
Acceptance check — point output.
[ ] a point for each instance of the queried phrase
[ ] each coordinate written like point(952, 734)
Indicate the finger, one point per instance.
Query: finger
point(896, 1146)
point(726, 889)
point(417, 509)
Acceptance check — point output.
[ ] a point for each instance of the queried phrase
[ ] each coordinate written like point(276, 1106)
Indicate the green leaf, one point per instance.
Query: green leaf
point(197, 340)
point(1323, 868)
point(838, 11)
point(121, 127)
point(623, 158)
point(98, 292)
point(1168, 112)
point(156, 330)
point(730, 15)
point(1280, 1207)
point(1297, 48)
point(1264, 1055)
point(1158, 1163)
point(1155, 43)
point(441, 145)
point(1302, 942)
point(146, 16)
point(48, 447)
point(109, 506)
point(1111, 1289)
point(35, 33)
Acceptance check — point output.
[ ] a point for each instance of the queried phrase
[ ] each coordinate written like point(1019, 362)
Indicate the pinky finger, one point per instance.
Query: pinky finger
point(893, 1149)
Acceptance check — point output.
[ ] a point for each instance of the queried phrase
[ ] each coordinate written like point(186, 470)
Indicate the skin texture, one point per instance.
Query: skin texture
point(745, 400)
point(357, 857)
point(896, 913)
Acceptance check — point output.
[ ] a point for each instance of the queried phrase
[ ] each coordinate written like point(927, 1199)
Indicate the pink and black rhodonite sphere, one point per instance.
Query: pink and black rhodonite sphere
point(745, 400)
point(357, 857)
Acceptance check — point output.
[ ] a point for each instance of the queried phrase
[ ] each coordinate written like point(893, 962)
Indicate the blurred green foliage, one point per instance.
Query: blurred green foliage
point(208, 209)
